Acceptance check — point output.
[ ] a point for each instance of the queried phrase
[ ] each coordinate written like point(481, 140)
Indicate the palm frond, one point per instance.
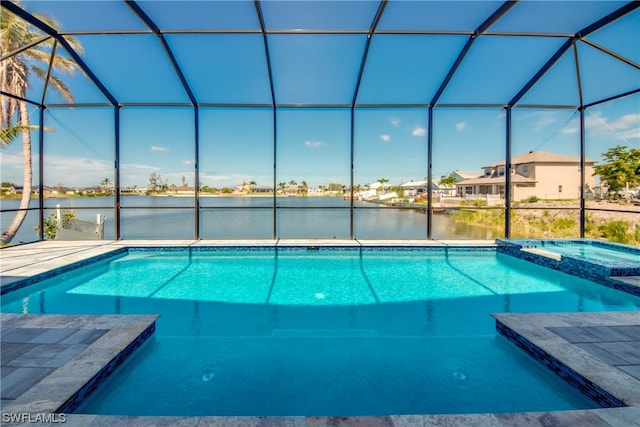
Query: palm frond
point(9, 134)
point(61, 87)
point(33, 62)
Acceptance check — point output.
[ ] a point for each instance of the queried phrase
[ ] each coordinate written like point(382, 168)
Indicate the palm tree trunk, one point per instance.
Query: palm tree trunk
point(13, 228)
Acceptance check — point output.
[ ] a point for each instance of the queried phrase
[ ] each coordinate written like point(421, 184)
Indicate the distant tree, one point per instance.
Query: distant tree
point(282, 186)
point(335, 187)
point(207, 189)
point(398, 190)
point(154, 180)
point(105, 184)
point(293, 182)
point(226, 190)
point(303, 188)
point(184, 181)
point(621, 168)
point(156, 183)
point(448, 181)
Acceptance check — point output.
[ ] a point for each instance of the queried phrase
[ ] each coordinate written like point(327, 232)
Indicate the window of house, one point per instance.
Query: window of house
point(501, 171)
point(524, 169)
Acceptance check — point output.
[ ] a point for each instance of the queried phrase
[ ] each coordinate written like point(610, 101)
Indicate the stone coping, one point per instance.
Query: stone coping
point(63, 389)
point(571, 344)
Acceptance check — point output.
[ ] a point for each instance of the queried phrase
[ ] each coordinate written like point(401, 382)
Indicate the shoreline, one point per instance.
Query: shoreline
point(76, 196)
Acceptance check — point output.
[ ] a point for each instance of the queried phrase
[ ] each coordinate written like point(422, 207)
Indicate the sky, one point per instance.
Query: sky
point(314, 144)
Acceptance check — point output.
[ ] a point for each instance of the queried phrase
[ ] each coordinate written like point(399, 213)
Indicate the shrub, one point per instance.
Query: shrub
point(615, 231)
point(51, 223)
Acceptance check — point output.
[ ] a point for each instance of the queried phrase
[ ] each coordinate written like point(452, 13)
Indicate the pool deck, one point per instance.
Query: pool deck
point(50, 360)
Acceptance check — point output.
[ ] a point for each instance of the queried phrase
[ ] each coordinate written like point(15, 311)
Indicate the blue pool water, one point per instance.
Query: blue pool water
point(329, 332)
point(601, 252)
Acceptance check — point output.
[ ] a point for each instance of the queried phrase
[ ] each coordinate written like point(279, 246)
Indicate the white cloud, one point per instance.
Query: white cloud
point(313, 144)
point(215, 178)
point(631, 133)
point(394, 122)
point(543, 121)
point(159, 148)
point(130, 167)
point(70, 171)
point(187, 162)
point(569, 130)
point(461, 125)
point(626, 121)
point(385, 137)
point(419, 132)
point(595, 123)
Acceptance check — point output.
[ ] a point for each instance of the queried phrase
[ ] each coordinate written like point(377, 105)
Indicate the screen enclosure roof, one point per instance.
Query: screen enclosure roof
point(559, 54)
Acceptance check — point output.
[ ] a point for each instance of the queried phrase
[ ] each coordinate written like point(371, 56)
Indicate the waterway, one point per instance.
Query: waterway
point(149, 217)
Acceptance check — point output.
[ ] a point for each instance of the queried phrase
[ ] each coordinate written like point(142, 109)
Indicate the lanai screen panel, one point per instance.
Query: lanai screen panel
point(349, 68)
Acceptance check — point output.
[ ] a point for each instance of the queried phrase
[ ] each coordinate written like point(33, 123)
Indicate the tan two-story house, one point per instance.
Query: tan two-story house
point(536, 173)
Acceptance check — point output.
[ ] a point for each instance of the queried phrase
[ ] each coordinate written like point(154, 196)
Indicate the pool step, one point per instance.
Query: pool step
point(324, 333)
point(542, 253)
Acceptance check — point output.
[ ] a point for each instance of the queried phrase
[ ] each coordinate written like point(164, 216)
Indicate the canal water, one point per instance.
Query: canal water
point(149, 217)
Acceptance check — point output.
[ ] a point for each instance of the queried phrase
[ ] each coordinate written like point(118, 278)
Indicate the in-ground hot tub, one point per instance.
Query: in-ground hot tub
point(603, 262)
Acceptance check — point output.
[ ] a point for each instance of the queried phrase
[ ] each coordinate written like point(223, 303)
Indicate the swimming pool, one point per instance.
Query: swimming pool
point(322, 332)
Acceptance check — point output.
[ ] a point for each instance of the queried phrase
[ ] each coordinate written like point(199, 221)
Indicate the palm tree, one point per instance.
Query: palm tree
point(105, 184)
point(382, 182)
point(282, 186)
point(303, 188)
point(15, 72)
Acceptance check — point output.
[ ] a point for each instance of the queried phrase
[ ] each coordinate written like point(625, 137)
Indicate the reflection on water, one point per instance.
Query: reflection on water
point(233, 218)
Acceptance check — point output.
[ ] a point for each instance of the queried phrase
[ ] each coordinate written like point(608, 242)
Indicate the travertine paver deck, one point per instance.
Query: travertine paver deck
point(52, 361)
point(589, 351)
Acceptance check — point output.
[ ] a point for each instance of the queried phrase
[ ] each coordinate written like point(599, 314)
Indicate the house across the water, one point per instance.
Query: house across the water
point(536, 173)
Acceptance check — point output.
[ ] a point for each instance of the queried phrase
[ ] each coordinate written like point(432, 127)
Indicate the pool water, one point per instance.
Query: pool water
point(594, 252)
point(329, 332)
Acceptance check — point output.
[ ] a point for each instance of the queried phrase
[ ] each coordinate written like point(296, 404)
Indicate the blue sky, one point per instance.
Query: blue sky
point(236, 144)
